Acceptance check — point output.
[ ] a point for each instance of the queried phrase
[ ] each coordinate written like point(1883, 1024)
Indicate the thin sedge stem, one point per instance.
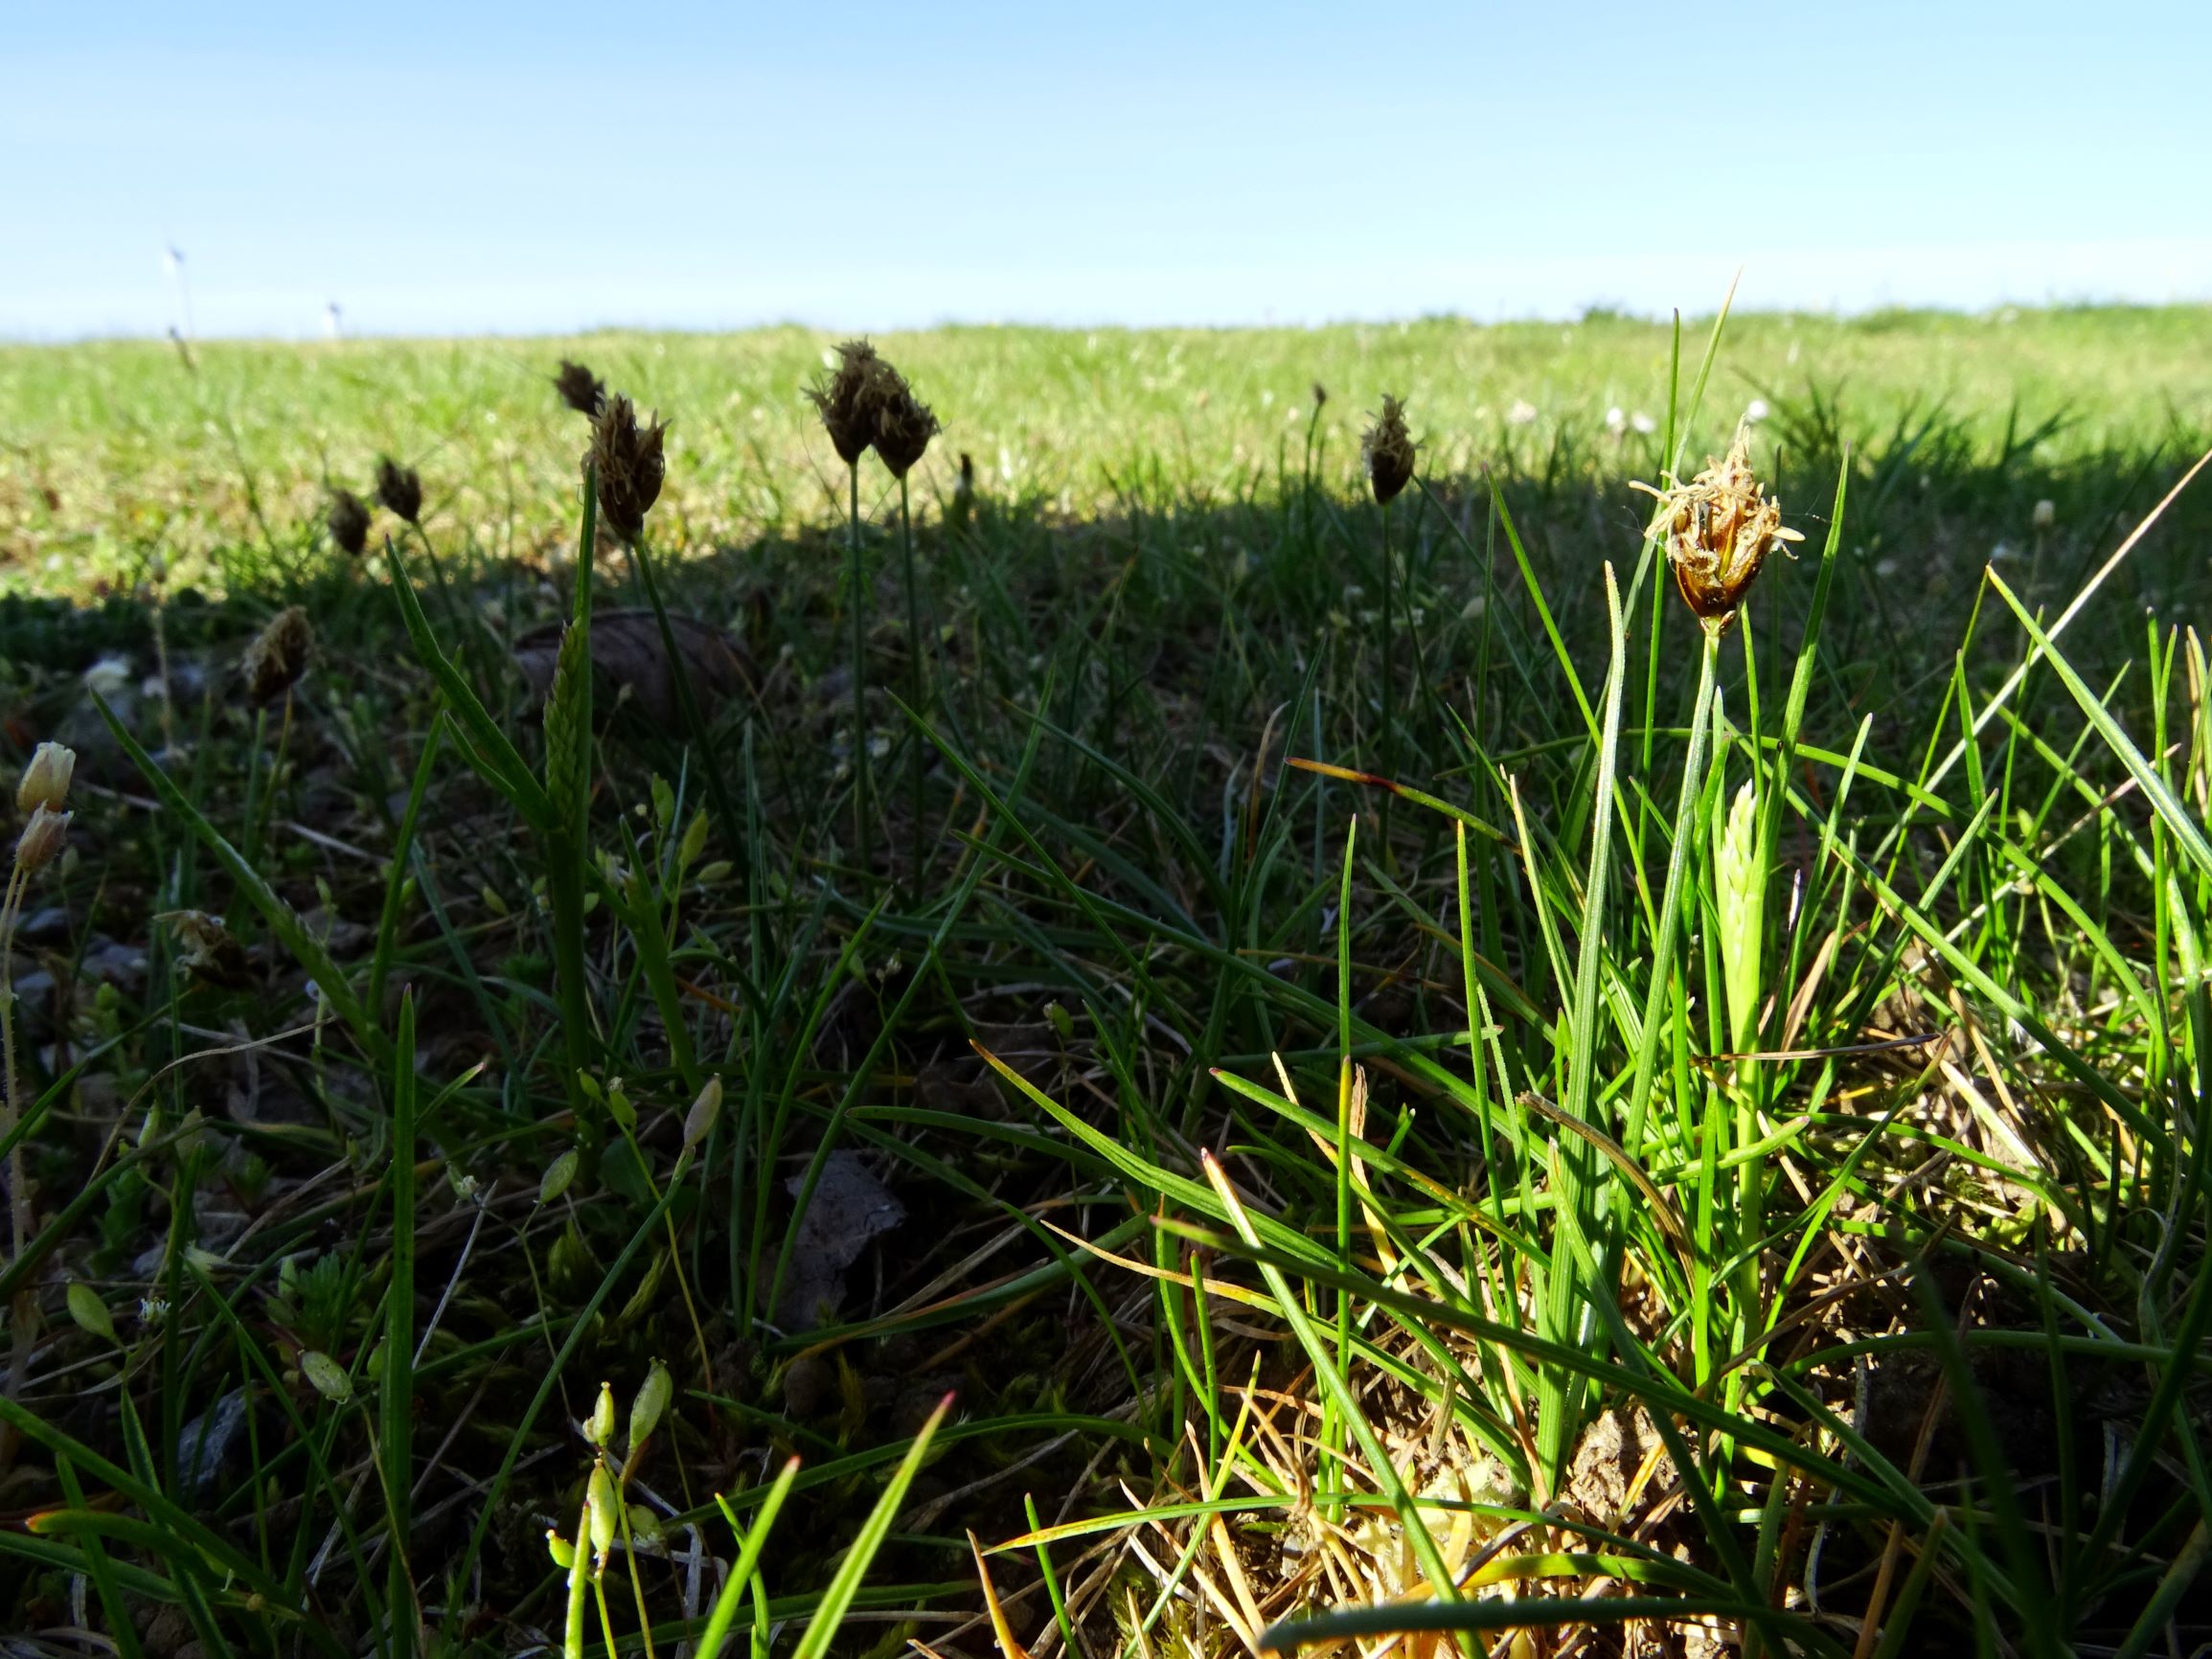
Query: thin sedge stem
point(18, 1203)
point(1389, 687)
point(1694, 773)
point(861, 836)
point(914, 679)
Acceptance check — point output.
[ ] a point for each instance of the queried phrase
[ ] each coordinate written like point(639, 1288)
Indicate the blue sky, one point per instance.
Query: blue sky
point(462, 169)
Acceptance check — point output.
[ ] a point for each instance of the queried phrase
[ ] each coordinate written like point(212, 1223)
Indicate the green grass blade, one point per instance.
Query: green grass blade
point(738, 1585)
point(830, 1612)
point(330, 980)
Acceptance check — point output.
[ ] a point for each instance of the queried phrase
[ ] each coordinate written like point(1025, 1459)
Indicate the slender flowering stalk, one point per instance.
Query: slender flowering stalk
point(42, 794)
point(400, 490)
point(846, 403)
point(272, 666)
point(1390, 454)
point(903, 428)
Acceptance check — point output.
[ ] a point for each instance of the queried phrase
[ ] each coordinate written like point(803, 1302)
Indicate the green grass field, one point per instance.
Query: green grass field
point(1712, 1159)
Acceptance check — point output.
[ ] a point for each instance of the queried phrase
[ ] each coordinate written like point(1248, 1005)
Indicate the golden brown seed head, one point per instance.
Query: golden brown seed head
point(42, 839)
point(1389, 451)
point(400, 489)
point(846, 400)
point(580, 388)
point(45, 782)
point(278, 657)
point(1719, 529)
point(630, 462)
point(349, 521)
point(903, 422)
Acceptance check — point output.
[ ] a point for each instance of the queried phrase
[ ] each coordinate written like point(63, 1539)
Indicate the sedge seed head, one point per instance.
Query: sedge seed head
point(631, 463)
point(347, 521)
point(45, 782)
point(278, 657)
point(903, 425)
point(1719, 529)
point(400, 489)
point(846, 400)
point(580, 388)
point(1389, 451)
point(42, 839)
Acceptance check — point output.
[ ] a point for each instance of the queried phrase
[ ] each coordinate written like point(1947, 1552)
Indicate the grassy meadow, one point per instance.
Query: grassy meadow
point(1129, 1054)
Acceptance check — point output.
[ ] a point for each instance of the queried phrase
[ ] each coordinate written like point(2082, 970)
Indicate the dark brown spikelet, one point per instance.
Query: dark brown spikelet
point(1719, 528)
point(400, 489)
point(631, 463)
point(903, 422)
point(580, 388)
point(1389, 451)
point(846, 400)
point(278, 657)
point(347, 520)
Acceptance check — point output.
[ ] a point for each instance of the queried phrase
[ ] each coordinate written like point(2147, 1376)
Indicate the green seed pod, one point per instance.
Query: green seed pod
point(693, 843)
point(651, 1405)
point(699, 1121)
point(604, 1511)
point(560, 1175)
point(326, 1376)
point(90, 1312)
point(562, 1551)
point(600, 1430)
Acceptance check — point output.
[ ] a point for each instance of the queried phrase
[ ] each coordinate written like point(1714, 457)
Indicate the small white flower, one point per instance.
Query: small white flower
point(878, 746)
point(1756, 411)
point(1354, 593)
point(152, 1310)
point(109, 676)
point(2047, 513)
point(1643, 423)
point(2003, 551)
point(1522, 413)
point(1616, 419)
point(1473, 608)
point(1886, 568)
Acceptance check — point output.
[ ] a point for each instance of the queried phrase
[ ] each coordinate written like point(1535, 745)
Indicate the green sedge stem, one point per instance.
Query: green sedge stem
point(860, 829)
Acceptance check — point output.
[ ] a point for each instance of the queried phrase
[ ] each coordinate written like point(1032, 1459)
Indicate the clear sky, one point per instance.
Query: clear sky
point(463, 167)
